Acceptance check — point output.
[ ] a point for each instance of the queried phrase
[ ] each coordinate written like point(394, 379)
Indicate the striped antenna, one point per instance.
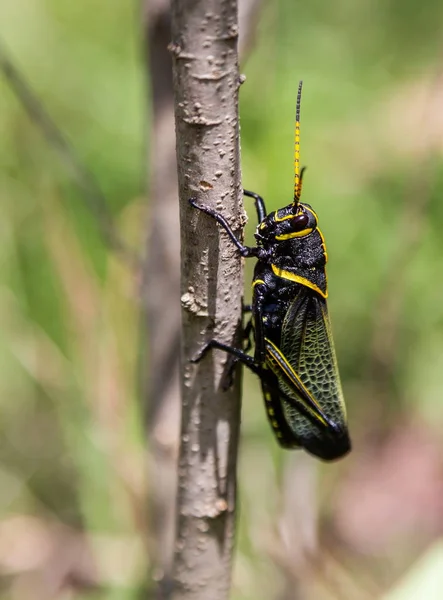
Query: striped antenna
point(297, 178)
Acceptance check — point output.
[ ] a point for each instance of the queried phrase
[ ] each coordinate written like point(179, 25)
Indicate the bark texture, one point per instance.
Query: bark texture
point(206, 83)
point(160, 370)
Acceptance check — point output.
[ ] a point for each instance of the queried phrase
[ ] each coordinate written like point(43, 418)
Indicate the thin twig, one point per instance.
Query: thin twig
point(160, 364)
point(204, 41)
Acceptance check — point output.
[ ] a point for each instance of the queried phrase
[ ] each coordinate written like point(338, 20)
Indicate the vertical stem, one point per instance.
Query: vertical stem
point(206, 82)
point(159, 365)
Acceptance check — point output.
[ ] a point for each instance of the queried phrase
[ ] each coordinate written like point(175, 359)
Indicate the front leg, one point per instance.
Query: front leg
point(246, 251)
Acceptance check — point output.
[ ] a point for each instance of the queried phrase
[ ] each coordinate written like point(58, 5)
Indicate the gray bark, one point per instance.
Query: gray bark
point(159, 371)
point(206, 83)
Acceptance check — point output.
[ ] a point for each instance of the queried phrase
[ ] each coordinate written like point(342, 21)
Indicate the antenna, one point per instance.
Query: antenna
point(297, 176)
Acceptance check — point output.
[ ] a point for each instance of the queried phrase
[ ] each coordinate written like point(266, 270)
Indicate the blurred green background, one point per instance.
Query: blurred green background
point(73, 485)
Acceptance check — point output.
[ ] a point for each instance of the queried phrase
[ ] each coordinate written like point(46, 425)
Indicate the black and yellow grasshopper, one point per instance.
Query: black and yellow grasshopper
point(294, 350)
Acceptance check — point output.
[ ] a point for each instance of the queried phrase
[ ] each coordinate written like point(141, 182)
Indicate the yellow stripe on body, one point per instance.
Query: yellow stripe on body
point(298, 279)
point(323, 245)
point(294, 234)
point(257, 282)
point(278, 219)
point(311, 211)
point(282, 367)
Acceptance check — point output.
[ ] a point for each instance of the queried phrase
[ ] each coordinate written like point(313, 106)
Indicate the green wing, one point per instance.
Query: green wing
point(289, 379)
point(307, 346)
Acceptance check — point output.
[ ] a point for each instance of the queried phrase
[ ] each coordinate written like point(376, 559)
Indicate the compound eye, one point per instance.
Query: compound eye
point(299, 222)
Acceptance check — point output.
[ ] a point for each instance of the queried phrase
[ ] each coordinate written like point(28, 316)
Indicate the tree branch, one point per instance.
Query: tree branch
point(159, 364)
point(206, 82)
